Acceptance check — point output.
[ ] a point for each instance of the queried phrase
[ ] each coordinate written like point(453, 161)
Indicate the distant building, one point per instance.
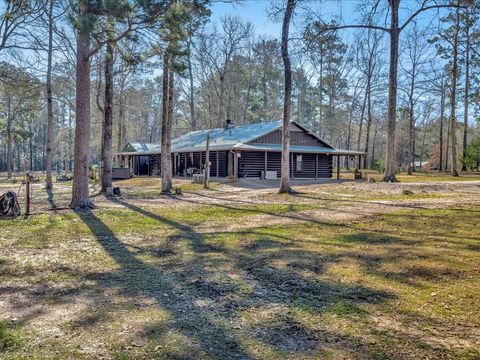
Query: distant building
point(252, 151)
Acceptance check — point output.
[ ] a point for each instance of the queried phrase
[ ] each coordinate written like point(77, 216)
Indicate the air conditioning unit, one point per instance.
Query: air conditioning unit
point(198, 178)
point(269, 175)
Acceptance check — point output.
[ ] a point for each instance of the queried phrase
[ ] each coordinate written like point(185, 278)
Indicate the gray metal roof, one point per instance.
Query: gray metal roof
point(299, 149)
point(137, 146)
point(223, 138)
point(234, 138)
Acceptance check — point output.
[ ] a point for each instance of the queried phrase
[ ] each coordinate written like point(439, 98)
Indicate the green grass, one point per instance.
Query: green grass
point(432, 176)
point(9, 339)
point(183, 280)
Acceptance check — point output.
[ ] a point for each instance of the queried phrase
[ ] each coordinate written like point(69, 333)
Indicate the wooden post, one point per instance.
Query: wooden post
point(338, 167)
point(185, 164)
point(27, 194)
point(174, 164)
point(218, 165)
point(206, 173)
point(291, 165)
point(316, 166)
point(265, 166)
point(235, 165)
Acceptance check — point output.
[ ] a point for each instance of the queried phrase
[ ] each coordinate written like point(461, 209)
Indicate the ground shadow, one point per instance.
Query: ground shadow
point(179, 286)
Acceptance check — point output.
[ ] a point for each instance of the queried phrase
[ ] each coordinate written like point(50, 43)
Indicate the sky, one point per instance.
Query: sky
point(255, 11)
point(250, 10)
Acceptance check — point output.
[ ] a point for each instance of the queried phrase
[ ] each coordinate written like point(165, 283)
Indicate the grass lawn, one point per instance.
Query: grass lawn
point(341, 271)
point(429, 176)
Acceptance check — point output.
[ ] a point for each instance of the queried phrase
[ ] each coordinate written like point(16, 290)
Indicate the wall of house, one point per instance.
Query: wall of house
point(296, 138)
point(197, 160)
point(252, 163)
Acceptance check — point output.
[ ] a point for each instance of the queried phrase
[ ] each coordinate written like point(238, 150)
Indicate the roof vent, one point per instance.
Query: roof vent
point(228, 124)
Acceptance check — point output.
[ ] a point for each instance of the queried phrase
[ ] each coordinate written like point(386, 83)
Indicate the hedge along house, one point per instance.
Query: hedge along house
point(245, 151)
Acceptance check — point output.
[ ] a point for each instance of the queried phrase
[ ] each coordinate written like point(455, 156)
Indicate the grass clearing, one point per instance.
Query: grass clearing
point(246, 274)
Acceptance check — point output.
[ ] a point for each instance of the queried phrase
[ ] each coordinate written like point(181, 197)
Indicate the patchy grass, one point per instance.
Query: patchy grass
point(9, 339)
point(213, 275)
point(430, 176)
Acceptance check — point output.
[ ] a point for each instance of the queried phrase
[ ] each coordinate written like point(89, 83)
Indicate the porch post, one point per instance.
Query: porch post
point(338, 167)
point(291, 165)
point(218, 166)
point(185, 165)
point(174, 164)
point(265, 165)
point(316, 166)
point(235, 165)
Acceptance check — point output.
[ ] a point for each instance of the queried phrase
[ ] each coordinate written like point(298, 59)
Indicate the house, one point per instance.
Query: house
point(244, 151)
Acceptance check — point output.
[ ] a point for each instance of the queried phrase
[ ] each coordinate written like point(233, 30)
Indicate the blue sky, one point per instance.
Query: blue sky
point(255, 11)
point(252, 11)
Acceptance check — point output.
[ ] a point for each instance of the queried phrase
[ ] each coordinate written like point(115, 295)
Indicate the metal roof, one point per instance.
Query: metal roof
point(234, 138)
point(137, 146)
point(299, 149)
point(224, 138)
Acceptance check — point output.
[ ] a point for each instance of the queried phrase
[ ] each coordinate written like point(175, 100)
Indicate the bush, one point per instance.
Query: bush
point(472, 155)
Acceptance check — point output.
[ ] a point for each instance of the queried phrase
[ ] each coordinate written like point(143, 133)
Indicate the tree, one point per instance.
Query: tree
point(16, 22)
point(20, 97)
point(48, 161)
point(80, 195)
point(167, 106)
point(471, 159)
point(88, 16)
point(285, 166)
point(468, 18)
point(394, 29)
point(175, 37)
point(106, 154)
point(453, 95)
point(413, 66)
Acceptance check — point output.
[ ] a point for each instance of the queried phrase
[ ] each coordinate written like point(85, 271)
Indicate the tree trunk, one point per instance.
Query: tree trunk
point(391, 158)
point(80, 196)
point(30, 147)
point(411, 135)
point(369, 119)
point(372, 159)
point(447, 147)
point(166, 156)
point(221, 101)
point(48, 162)
point(9, 139)
point(453, 97)
point(320, 93)
point(106, 155)
point(285, 179)
point(120, 124)
point(442, 115)
point(193, 119)
point(465, 101)
point(362, 115)
point(70, 139)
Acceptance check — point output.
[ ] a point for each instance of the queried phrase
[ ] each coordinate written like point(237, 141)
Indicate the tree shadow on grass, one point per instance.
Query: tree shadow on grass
point(381, 203)
point(203, 299)
point(312, 220)
point(136, 278)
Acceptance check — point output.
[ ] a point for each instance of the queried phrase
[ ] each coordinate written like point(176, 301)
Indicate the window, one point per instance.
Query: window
point(299, 161)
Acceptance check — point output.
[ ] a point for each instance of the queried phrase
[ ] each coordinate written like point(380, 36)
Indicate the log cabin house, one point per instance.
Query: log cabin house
point(244, 151)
